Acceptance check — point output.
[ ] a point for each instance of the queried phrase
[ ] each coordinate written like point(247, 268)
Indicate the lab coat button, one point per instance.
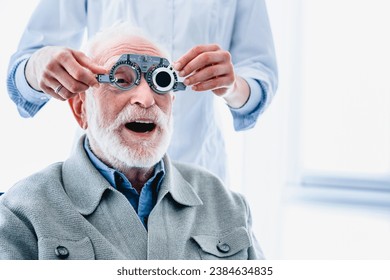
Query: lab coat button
point(62, 252)
point(223, 247)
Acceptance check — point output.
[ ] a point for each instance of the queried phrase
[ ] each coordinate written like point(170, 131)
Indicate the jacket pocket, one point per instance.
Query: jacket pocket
point(50, 248)
point(232, 244)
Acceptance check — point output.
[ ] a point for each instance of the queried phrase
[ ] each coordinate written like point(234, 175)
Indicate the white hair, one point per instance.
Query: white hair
point(108, 36)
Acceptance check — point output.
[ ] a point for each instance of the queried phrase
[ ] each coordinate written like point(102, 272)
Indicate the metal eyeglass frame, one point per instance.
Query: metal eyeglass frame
point(159, 74)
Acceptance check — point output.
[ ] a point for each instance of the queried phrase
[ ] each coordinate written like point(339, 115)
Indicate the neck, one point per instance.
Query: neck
point(138, 176)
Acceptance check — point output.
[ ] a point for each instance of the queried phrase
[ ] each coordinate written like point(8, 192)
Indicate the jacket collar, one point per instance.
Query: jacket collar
point(85, 186)
point(179, 188)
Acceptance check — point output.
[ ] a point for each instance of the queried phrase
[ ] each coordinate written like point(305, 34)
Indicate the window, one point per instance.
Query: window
point(345, 105)
point(27, 145)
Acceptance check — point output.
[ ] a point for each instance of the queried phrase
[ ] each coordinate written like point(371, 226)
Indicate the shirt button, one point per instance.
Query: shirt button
point(62, 252)
point(223, 247)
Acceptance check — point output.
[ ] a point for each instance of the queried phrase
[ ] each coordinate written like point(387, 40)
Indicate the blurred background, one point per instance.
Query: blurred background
point(315, 169)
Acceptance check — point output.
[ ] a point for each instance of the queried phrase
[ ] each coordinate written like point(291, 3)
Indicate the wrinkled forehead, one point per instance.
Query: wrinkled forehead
point(110, 53)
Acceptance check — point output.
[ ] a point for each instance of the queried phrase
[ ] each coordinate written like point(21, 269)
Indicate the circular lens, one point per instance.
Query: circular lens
point(163, 79)
point(125, 76)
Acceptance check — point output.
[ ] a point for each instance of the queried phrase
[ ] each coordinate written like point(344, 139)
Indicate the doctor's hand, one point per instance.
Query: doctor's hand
point(208, 67)
point(61, 72)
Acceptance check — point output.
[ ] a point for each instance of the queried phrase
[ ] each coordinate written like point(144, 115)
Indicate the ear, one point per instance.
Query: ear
point(77, 104)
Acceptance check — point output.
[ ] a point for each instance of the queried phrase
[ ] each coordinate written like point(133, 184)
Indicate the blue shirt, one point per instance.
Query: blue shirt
point(239, 26)
point(142, 203)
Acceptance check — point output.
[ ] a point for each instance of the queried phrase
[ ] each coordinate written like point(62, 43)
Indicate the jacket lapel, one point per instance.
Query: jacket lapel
point(95, 199)
point(180, 190)
point(165, 220)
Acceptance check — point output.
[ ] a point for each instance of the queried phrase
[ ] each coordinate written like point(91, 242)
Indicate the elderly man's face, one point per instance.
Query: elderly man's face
point(128, 128)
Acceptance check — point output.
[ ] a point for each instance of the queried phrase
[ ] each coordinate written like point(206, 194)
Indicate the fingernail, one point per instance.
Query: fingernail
point(177, 65)
point(181, 73)
point(186, 82)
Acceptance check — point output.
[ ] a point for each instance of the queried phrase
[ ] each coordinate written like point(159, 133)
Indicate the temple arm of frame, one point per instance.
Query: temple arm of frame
point(179, 86)
point(101, 78)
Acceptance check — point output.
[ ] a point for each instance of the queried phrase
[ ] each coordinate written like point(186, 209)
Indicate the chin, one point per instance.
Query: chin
point(122, 155)
point(140, 158)
point(124, 145)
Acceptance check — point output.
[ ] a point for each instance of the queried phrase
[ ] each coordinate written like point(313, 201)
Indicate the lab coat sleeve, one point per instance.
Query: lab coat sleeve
point(53, 23)
point(253, 55)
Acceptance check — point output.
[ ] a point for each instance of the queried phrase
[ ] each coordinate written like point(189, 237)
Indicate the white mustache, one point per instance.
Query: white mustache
point(133, 113)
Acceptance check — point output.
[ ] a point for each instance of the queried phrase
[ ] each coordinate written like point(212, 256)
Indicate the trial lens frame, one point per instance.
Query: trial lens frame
point(159, 74)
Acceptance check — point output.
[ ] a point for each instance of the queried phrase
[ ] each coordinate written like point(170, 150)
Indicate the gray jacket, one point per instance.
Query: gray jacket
point(69, 211)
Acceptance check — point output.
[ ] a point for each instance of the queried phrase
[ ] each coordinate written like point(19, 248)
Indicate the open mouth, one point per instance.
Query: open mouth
point(141, 126)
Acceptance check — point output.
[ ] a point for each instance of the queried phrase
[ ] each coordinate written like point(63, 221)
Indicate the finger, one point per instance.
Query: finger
point(213, 84)
point(59, 75)
point(49, 83)
point(192, 53)
point(208, 73)
point(51, 88)
point(71, 84)
point(88, 63)
point(58, 90)
point(79, 72)
point(51, 91)
point(204, 60)
point(65, 93)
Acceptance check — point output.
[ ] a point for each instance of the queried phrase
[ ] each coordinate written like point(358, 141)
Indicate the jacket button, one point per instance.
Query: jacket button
point(62, 252)
point(223, 247)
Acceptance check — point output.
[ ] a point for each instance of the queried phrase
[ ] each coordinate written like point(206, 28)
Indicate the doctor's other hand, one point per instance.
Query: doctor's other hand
point(208, 67)
point(61, 72)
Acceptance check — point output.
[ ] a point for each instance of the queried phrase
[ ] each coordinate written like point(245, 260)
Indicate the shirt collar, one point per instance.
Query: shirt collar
point(110, 174)
point(85, 185)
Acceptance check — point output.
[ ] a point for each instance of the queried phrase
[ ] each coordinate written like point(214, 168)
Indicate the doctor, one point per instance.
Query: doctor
point(222, 49)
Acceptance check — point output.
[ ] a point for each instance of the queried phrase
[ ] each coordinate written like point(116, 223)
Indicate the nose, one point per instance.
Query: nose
point(142, 95)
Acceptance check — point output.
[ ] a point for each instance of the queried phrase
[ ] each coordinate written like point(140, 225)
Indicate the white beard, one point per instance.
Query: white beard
point(105, 137)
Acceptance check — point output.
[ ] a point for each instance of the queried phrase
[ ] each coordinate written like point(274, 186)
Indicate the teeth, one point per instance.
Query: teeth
point(141, 121)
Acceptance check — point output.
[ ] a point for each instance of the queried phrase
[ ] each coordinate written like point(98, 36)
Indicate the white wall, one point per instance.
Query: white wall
point(293, 222)
point(27, 144)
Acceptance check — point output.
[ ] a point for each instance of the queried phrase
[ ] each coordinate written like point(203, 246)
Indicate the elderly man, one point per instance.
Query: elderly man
point(119, 196)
